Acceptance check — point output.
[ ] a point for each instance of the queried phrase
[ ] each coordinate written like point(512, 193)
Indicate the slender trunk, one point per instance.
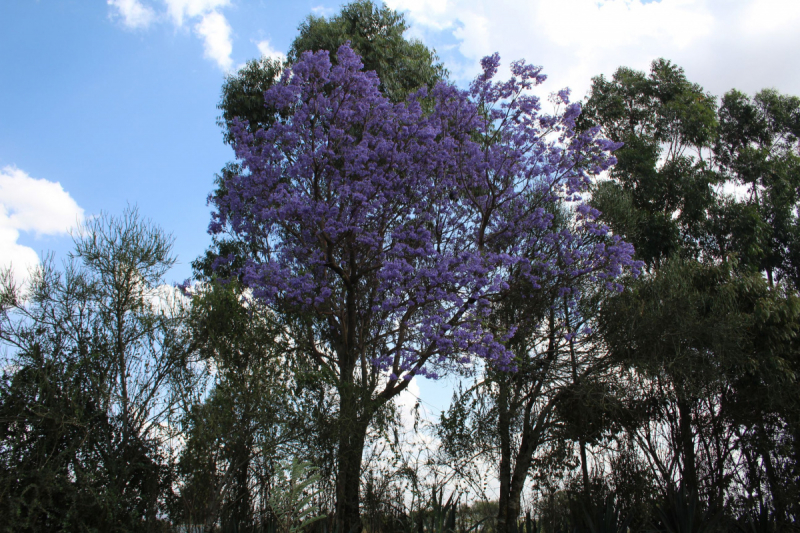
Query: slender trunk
point(584, 467)
point(504, 428)
point(354, 417)
point(512, 481)
point(581, 438)
point(222, 487)
point(532, 432)
point(123, 376)
point(689, 478)
point(240, 512)
point(794, 486)
point(775, 489)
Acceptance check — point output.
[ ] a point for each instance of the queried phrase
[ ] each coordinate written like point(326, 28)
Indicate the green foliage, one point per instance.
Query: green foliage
point(662, 183)
point(243, 95)
point(234, 433)
point(685, 312)
point(757, 148)
point(710, 330)
point(376, 34)
point(91, 379)
point(680, 513)
point(292, 497)
point(605, 518)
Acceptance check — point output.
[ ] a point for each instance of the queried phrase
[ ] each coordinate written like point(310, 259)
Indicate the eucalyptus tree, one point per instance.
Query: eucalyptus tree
point(659, 193)
point(236, 432)
point(377, 35)
point(757, 149)
point(662, 185)
point(694, 329)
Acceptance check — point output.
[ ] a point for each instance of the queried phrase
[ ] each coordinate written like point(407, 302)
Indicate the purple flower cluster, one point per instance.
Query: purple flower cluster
point(399, 225)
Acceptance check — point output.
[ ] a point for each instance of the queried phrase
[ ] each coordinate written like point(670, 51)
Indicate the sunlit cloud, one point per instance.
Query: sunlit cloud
point(266, 50)
point(746, 44)
point(204, 16)
point(31, 205)
point(216, 34)
point(322, 11)
point(134, 14)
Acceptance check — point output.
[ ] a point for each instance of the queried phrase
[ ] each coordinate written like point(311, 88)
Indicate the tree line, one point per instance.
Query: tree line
point(613, 284)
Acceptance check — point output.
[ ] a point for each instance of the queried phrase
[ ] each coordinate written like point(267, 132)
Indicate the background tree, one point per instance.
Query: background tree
point(376, 35)
point(235, 433)
point(98, 359)
point(508, 418)
point(757, 149)
point(692, 329)
point(662, 184)
point(661, 188)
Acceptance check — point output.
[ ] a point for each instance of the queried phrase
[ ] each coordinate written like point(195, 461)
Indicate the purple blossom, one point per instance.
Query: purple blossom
point(396, 228)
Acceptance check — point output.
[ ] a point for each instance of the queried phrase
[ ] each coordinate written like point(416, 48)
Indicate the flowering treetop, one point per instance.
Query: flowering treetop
point(397, 226)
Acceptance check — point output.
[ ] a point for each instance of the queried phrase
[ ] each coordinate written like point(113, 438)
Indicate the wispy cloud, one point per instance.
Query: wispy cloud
point(216, 34)
point(133, 13)
point(35, 206)
point(180, 10)
point(212, 26)
point(204, 16)
point(266, 50)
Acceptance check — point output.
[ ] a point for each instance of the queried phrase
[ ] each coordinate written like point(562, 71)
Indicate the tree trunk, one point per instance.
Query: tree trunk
point(689, 478)
point(584, 468)
point(352, 434)
point(575, 383)
point(504, 427)
point(775, 488)
point(512, 481)
point(240, 512)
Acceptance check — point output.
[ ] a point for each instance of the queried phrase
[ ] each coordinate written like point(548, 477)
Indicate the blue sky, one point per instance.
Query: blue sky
point(110, 103)
point(121, 115)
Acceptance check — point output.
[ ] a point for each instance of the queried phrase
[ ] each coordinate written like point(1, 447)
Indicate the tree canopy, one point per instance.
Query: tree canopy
point(392, 230)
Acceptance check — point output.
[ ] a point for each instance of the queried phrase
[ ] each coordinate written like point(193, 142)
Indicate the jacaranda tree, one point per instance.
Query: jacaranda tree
point(385, 234)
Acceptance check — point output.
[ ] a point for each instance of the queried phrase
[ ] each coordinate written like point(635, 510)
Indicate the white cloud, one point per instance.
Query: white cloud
point(436, 14)
point(208, 23)
point(21, 259)
point(31, 205)
point(181, 9)
point(216, 34)
point(212, 27)
point(722, 44)
point(266, 50)
point(406, 401)
point(134, 14)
